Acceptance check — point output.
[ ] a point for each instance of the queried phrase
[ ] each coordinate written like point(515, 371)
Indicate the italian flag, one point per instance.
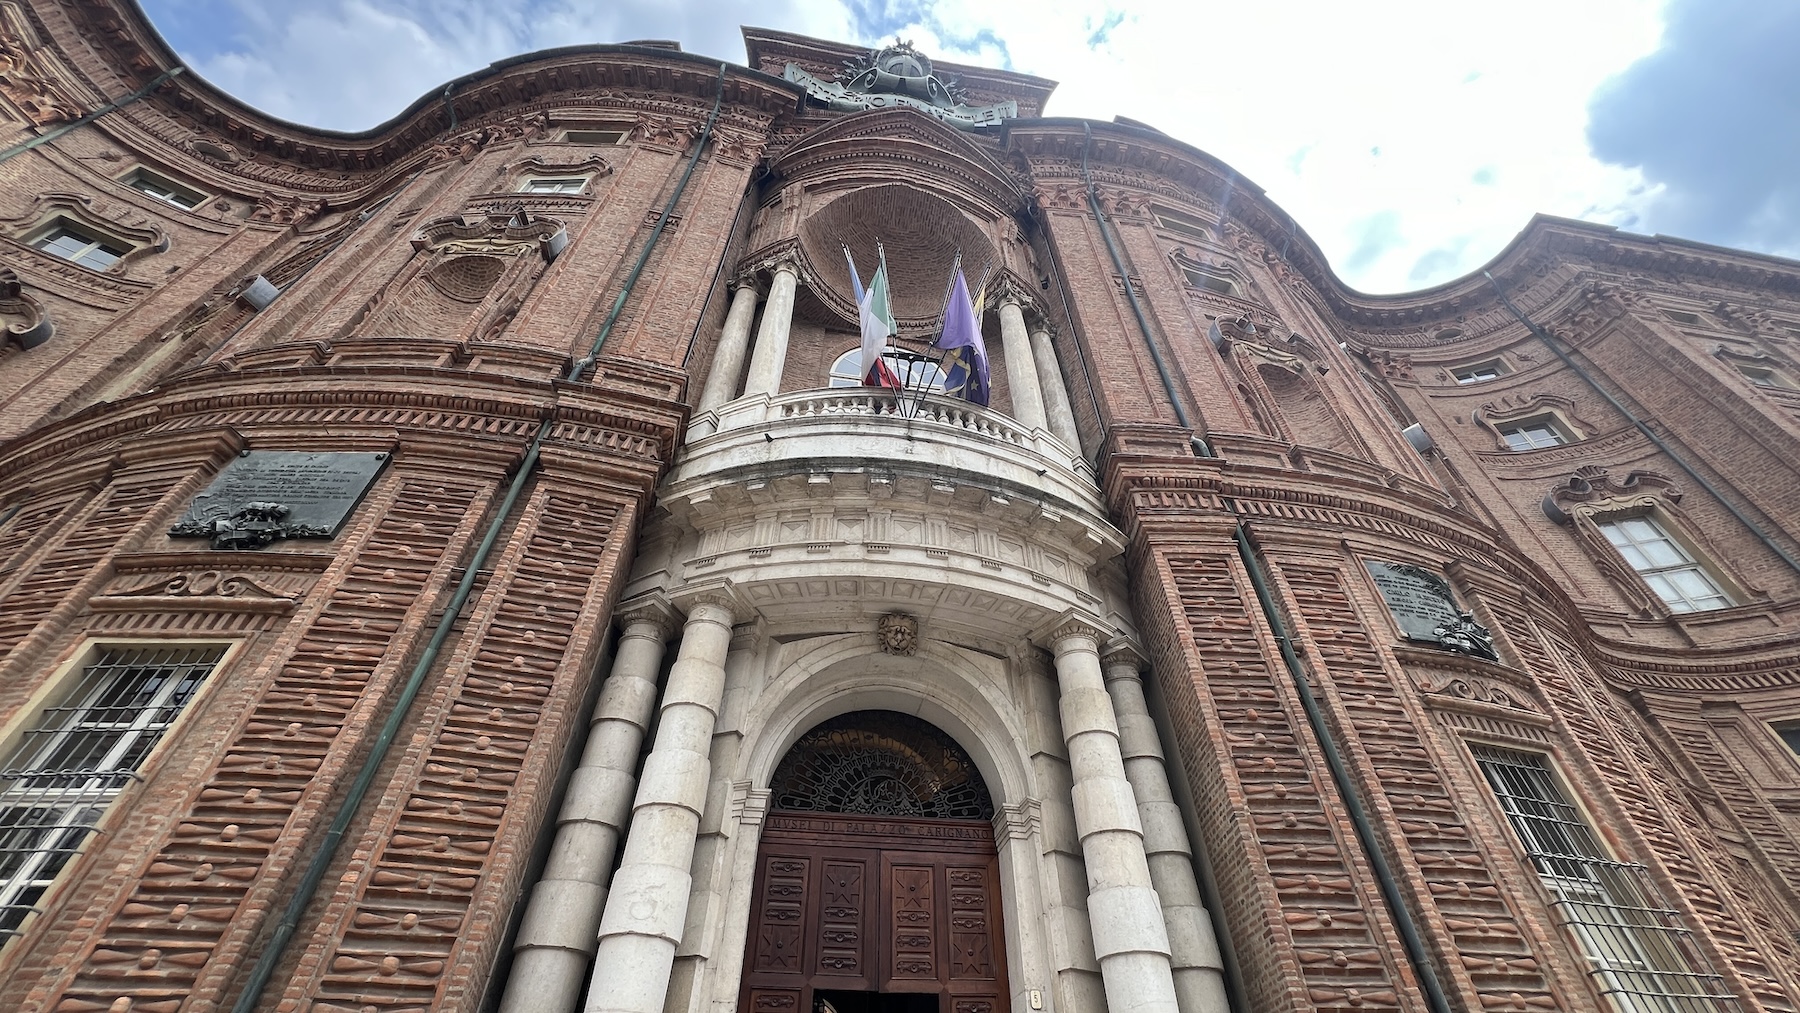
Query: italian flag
point(877, 327)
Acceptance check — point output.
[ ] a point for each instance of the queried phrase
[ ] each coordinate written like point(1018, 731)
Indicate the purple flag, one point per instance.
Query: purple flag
point(967, 375)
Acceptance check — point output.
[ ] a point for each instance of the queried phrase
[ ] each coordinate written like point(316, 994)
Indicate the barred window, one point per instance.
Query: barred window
point(79, 754)
point(1639, 954)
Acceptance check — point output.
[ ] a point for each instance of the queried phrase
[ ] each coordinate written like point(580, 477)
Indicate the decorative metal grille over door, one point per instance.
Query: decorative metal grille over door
point(876, 873)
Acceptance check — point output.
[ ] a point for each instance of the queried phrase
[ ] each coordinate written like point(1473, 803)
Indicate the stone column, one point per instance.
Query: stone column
point(1021, 374)
point(728, 361)
point(1193, 950)
point(770, 356)
point(1057, 410)
point(557, 935)
point(1129, 937)
point(648, 904)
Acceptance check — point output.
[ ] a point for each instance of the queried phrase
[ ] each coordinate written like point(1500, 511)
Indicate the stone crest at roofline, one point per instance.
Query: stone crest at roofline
point(898, 75)
point(771, 51)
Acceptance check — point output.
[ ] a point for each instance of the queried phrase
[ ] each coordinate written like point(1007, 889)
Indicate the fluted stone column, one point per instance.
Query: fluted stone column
point(557, 935)
point(728, 361)
point(1193, 950)
point(646, 910)
point(1021, 374)
point(1057, 411)
point(770, 356)
point(1129, 936)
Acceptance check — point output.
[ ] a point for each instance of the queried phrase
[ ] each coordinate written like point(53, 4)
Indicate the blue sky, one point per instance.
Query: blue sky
point(1412, 139)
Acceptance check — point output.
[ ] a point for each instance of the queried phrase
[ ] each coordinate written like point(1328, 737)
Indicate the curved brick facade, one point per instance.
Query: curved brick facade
point(711, 565)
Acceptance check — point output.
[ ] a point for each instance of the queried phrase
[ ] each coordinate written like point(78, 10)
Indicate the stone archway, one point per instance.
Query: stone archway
point(877, 881)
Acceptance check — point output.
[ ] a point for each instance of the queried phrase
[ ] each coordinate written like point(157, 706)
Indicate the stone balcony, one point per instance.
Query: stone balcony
point(829, 507)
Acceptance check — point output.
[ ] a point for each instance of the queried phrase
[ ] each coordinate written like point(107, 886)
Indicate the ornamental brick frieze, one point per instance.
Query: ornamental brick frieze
point(218, 868)
point(30, 79)
point(411, 923)
point(1290, 866)
point(1659, 822)
point(908, 147)
point(1478, 938)
point(219, 581)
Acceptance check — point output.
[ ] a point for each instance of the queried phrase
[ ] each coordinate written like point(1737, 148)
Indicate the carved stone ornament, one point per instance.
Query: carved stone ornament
point(899, 634)
point(1594, 484)
point(501, 235)
point(898, 75)
point(1465, 636)
point(25, 79)
point(23, 321)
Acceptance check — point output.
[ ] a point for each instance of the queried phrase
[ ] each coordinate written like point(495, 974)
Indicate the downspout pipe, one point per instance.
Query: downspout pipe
point(1543, 335)
point(314, 875)
point(55, 132)
point(1315, 716)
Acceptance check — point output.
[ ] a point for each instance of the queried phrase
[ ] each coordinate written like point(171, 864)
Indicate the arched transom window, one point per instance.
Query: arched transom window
point(880, 763)
point(846, 371)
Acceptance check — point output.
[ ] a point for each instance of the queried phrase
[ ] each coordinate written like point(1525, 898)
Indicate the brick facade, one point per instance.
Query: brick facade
point(430, 310)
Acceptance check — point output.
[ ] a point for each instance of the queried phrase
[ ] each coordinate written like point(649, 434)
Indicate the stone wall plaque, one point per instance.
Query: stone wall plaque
point(1425, 609)
point(268, 494)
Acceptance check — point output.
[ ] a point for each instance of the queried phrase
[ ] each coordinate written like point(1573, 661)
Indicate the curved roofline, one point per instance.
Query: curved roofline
point(192, 78)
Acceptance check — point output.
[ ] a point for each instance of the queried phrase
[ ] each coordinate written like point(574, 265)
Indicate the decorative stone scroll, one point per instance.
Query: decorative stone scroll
point(271, 494)
point(898, 75)
point(1425, 609)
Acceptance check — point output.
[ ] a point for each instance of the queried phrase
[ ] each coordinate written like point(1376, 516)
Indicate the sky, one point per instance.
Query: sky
point(1411, 139)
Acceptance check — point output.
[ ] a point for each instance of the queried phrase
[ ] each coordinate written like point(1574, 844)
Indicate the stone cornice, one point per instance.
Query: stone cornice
point(188, 106)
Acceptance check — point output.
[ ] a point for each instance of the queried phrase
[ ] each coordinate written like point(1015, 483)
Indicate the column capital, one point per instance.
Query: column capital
point(1009, 288)
point(651, 609)
point(719, 594)
point(746, 278)
point(1073, 624)
point(783, 257)
point(1122, 658)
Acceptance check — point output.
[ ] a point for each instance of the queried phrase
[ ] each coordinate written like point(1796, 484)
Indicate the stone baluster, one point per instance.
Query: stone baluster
point(728, 361)
point(557, 935)
point(1021, 374)
point(1193, 950)
point(1057, 411)
point(770, 356)
point(1130, 938)
point(647, 907)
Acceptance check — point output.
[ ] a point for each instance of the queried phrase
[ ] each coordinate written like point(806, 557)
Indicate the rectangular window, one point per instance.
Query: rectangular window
point(1676, 577)
point(1763, 376)
point(595, 136)
point(1210, 281)
point(1480, 371)
point(1683, 317)
point(555, 184)
point(1534, 434)
point(1791, 736)
point(1639, 954)
point(1174, 221)
point(80, 753)
point(71, 243)
point(162, 189)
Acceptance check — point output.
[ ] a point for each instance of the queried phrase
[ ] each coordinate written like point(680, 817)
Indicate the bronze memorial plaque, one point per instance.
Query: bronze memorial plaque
point(268, 494)
point(1425, 609)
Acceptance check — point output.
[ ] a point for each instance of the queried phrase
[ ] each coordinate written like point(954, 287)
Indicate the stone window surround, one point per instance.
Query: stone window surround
point(81, 213)
point(1591, 497)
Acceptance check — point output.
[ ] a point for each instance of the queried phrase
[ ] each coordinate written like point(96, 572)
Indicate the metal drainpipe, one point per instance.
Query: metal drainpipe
point(1315, 716)
point(1618, 406)
point(308, 886)
point(52, 134)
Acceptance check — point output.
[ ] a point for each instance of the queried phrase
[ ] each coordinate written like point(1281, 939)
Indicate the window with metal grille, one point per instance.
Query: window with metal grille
point(1676, 577)
point(1639, 954)
point(70, 765)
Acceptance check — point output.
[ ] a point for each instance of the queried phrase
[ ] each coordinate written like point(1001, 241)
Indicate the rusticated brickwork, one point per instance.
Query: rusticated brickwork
point(411, 930)
point(1332, 944)
point(1466, 915)
point(204, 895)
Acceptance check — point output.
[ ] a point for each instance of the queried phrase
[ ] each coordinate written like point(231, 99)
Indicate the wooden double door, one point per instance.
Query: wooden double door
point(876, 916)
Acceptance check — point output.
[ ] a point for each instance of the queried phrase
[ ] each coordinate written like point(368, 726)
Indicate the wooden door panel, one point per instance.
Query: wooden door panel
point(913, 922)
point(781, 914)
point(842, 916)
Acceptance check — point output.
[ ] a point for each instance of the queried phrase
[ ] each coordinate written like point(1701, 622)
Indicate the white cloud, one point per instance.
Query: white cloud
point(1445, 125)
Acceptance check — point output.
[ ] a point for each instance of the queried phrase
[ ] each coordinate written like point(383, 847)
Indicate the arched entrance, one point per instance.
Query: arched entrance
point(877, 886)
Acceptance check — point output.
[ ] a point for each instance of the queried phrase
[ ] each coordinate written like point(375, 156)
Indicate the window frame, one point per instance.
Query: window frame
point(1691, 561)
point(178, 195)
point(94, 240)
point(529, 184)
point(1634, 944)
point(73, 696)
point(619, 135)
point(1550, 422)
point(1497, 368)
